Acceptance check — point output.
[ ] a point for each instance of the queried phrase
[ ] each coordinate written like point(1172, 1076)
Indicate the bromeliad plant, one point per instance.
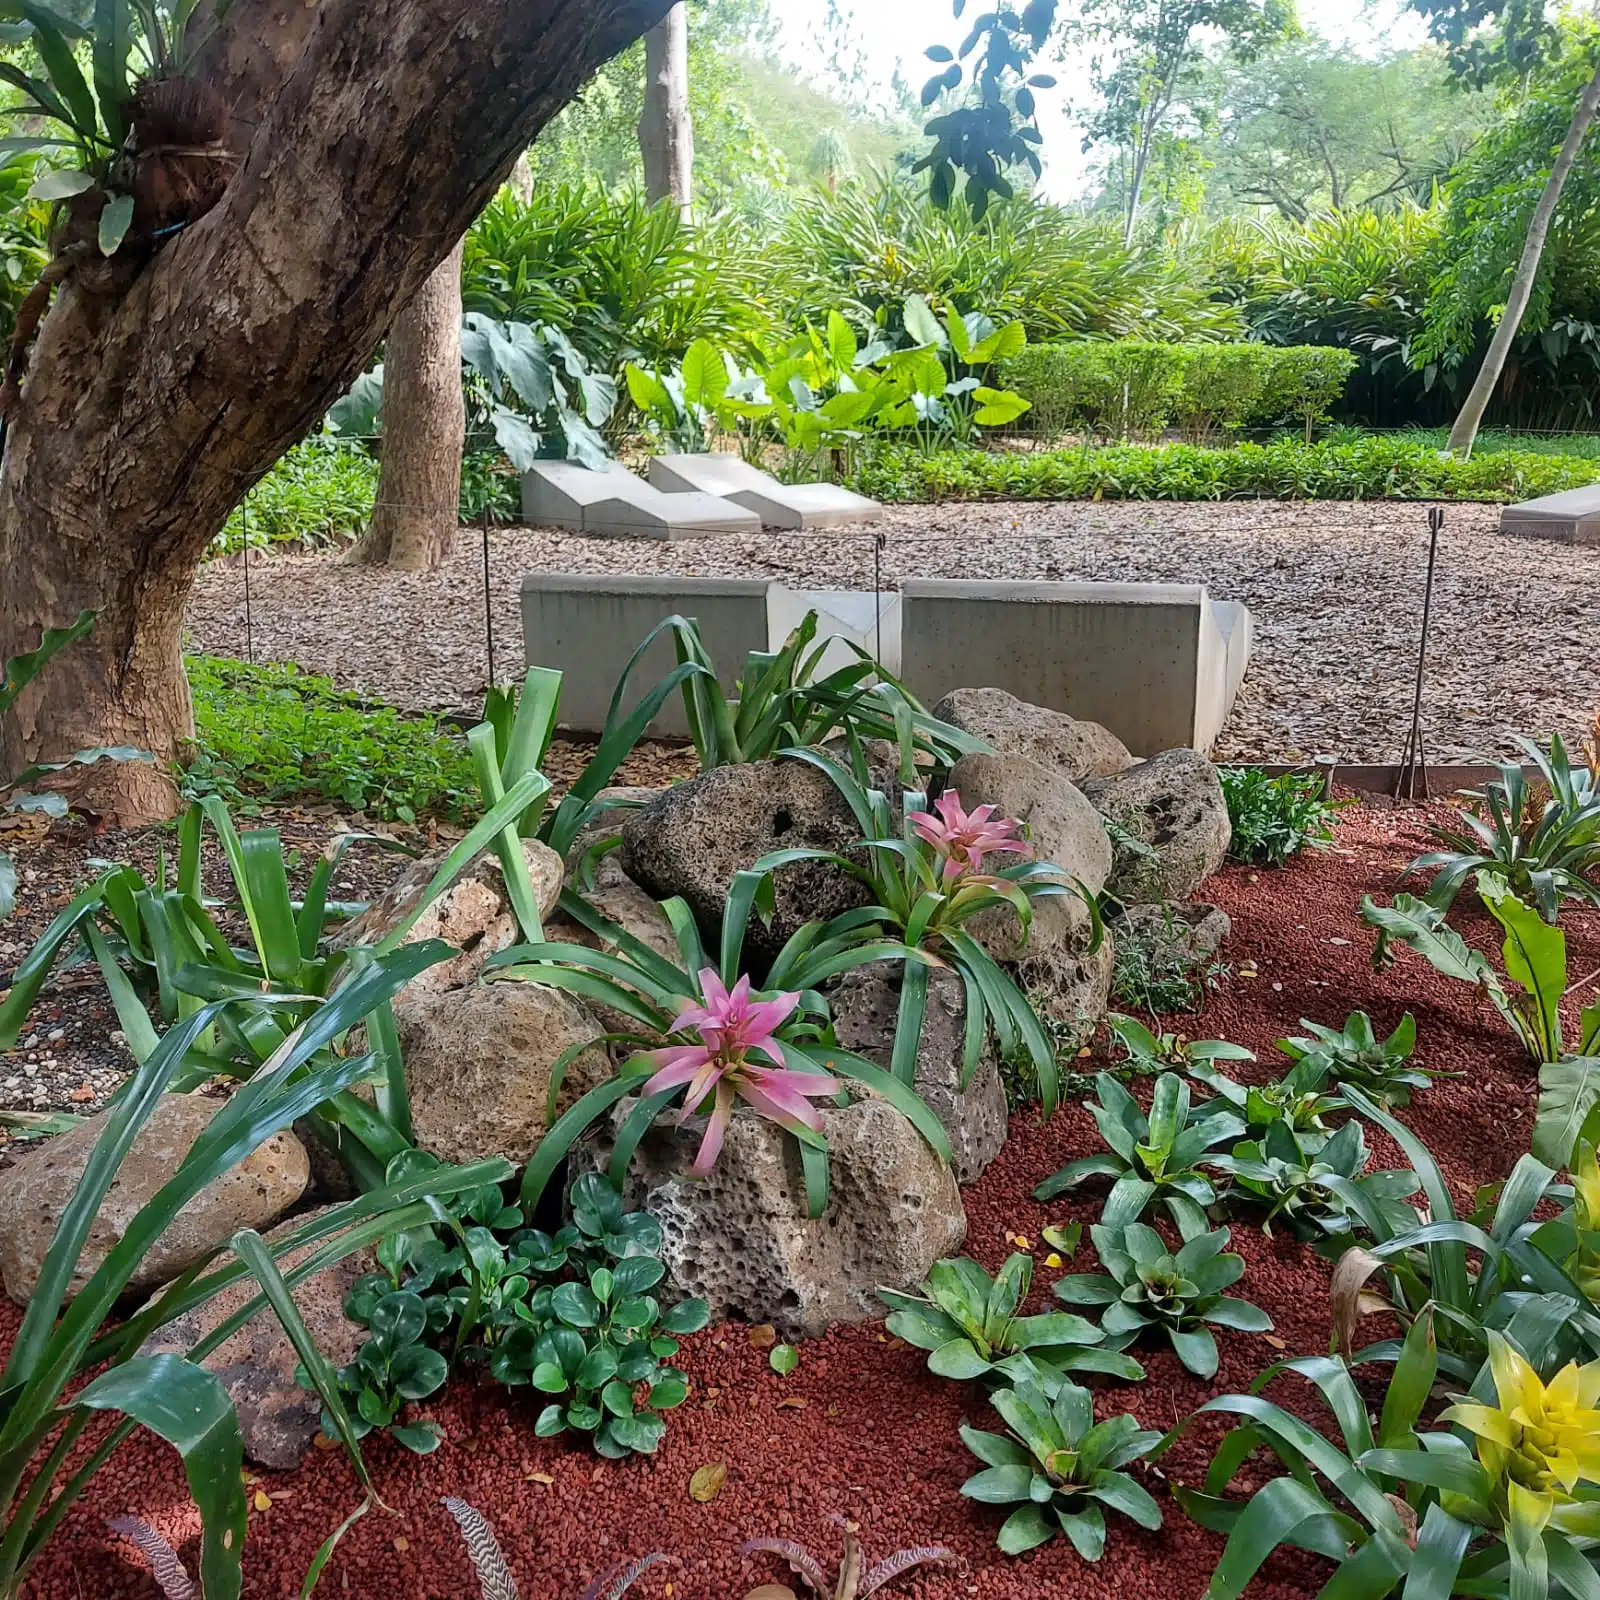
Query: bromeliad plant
point(1147, 1286)
point(1060, 1468)
point(926, 880)
point(1297, 1100)
point(968, 1323)
point(725, 1042)
point(1545, 851)
point(43, 1472)
point(854, 1580)
point(1355, 1054)
point(494, 1575)
point(1151, 1158)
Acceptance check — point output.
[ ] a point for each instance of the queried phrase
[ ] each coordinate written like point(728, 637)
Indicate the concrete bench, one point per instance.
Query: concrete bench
point(1571, 518)
point(779, 505)
point(615, 503)
point(1158, 664)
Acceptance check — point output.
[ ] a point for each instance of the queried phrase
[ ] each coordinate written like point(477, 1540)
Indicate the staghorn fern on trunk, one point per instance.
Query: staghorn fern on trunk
point(168, 1571)
point(849, 1583)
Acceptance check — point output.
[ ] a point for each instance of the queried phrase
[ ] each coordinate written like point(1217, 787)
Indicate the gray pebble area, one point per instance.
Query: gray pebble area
point(1336, 591)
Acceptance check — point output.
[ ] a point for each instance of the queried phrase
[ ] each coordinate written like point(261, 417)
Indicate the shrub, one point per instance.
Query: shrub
point(1275, 818)
point(1306, 381)
point(319, 494)
point(1224, 387)
point(1376, 469)
point(276, 733)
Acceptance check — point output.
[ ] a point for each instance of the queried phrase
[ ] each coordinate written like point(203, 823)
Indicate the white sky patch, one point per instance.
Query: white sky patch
point(895, 33)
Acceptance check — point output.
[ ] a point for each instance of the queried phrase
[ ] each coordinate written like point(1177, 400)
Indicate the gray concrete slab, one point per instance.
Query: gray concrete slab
point(779, 505)
point(615, 503)
point(1571, 518)
point(588, 626)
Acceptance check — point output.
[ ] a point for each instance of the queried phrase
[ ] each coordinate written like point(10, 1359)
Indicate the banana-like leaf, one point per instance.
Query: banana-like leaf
point(21, 670)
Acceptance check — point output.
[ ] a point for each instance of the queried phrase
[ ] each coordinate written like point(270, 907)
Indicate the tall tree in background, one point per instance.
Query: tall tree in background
point(369, 134)
point(1489, 39)
point(424, 430)
point(666, 130)
point(1148, 59)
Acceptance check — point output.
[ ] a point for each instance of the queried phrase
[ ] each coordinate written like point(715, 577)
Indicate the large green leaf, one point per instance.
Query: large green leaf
point(1568, 1091)
point(1535, 955)
point(188, 1407)
point(22, 670)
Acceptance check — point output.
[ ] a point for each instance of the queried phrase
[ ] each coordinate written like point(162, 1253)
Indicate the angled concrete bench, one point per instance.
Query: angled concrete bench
point(1158, 664)
point(1571, 518)
point(616, 503)
point(779, 505)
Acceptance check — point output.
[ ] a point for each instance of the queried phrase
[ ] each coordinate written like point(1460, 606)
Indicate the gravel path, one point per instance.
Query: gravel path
point(1336, 590)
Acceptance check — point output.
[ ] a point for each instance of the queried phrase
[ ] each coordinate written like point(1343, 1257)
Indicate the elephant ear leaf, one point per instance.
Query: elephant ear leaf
point(188, 1407)
point(1568, 1093)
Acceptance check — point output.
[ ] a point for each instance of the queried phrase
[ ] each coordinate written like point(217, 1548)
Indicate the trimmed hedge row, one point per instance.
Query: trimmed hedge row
point(1374, 469)
point(1134, 389)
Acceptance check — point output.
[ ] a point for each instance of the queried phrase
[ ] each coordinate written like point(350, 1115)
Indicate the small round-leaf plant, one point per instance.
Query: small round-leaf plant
point(1147, 1287)
point(1060, 1468)
point(968, 1323)
point(853, 1580)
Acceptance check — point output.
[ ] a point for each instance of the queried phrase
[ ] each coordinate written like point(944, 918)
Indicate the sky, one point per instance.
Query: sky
point(894, 33)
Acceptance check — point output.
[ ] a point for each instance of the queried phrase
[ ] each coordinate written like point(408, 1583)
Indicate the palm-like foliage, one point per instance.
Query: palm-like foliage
point(1546, 849)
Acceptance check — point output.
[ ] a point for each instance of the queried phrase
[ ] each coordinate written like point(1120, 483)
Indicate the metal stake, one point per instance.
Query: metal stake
point(249, 625)
point(488, 598)
point(880, 542)
point(1412, 781)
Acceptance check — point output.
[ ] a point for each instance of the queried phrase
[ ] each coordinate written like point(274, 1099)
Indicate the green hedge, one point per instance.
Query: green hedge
point(1375, 469)
point(1133, 389)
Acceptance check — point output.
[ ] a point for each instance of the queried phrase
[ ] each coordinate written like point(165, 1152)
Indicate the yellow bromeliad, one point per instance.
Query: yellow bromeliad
point(1585, 1267)
point(1541, 1441)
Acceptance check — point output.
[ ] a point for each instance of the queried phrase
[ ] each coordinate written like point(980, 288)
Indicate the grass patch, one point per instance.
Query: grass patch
point(1393, 468)
point(277, 733)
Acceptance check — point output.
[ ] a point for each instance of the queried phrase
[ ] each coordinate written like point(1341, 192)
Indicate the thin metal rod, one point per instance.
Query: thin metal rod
point(488, 599)
point(249, 624)
point(1412, 782)
point(879, 541)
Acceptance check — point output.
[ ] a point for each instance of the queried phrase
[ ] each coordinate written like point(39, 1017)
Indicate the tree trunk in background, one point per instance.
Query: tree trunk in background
point(666, 131)
point(424, 430)
point(521, 179)
point(373, 132)
point(1465, 432)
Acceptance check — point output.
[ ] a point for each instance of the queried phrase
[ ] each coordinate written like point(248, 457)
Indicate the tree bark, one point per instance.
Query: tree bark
point(377, 130)
point(1465, 432)
point(666, 130)
point(424, 430)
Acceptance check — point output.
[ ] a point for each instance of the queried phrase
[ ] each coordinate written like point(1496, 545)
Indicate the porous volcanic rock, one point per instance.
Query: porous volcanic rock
point(693, 838)
point(277, 1418)
point(1013, 727)
point(1174, 818)
point(741, 1239)
point(37, 1189)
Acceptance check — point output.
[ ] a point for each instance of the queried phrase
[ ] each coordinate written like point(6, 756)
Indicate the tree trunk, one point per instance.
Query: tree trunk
point(1465, 432)
point(424, 430)
point(521, 179)
point(666, 131)
point(372, 133)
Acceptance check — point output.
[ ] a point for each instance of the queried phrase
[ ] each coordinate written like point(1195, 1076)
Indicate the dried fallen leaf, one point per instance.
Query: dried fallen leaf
point(707, 1482)
point(772, 1591)
point(323, 1442)
point(541, 1477)
point(263, 1500)
point(1275, 1341)
point(763, 1336)
point(402, 1544)
point(793, 1402)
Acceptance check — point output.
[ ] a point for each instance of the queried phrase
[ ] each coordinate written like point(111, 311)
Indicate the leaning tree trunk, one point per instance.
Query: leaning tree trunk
point(424, 430)
point(1465, 432)
point(666, 131)
point(372, 133)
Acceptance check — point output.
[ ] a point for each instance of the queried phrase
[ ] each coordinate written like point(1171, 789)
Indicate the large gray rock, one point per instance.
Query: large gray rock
point(277, 1418)
point(741, 1239)
point(478, 1064)
point(865, 1005)
point(1177, 936)
point(693, 839)
point(1072, 988)
point(1076, 749)
point(1175, 821)
point(1064, 829)
point(474, 914)
point(36, 1190)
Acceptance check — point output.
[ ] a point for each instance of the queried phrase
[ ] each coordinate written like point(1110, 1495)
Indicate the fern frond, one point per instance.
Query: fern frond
point(488, 1559)
point(168, 1570)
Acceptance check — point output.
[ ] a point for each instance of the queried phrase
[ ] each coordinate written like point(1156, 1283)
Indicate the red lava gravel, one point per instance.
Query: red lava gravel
point(860, 1428)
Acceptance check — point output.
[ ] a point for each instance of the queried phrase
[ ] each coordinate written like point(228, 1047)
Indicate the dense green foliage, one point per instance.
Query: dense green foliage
point(275, 733)
point(1374, 469)
point(1275, 818)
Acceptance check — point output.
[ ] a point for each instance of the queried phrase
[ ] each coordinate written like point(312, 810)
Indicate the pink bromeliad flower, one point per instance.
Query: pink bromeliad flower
point(961, 838)
point(731, 1025)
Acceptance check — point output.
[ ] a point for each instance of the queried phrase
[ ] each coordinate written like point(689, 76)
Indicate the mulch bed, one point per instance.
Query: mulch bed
point(1336, 591)
point(861, 1429)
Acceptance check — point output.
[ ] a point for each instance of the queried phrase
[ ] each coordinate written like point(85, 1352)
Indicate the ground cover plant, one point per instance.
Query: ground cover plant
point(1275, 818)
